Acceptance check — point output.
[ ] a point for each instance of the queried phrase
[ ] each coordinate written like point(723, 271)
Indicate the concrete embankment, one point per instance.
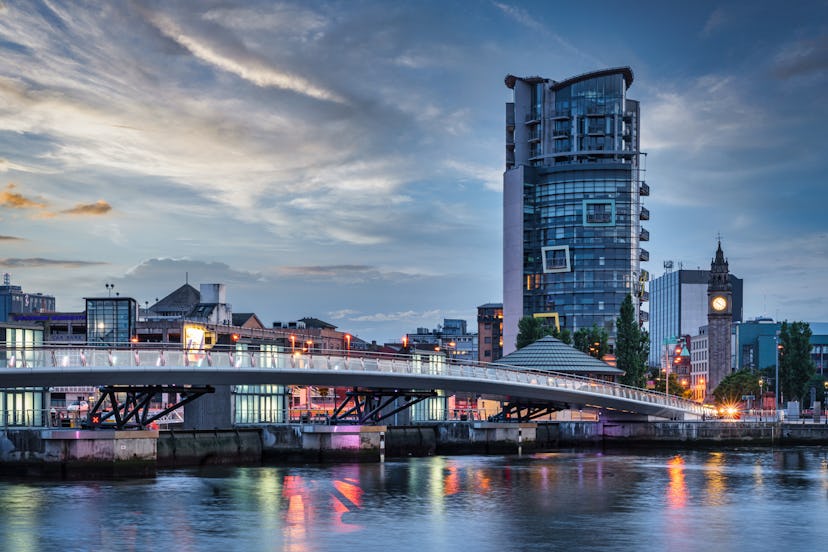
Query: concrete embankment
point(68, 453)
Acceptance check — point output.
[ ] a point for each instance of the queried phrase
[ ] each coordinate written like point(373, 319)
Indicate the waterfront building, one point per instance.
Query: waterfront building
point(21, 406)
point(14, 301)
point(452, 338)
point(490, 332)
point(110, 320)
point(678, 307)
point(572, 208)
point(756, 342)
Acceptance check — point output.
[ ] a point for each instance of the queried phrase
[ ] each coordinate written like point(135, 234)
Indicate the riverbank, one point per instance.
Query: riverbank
point(62, 453)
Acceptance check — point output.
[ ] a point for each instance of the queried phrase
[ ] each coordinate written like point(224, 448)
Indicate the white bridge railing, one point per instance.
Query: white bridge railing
point(147, 359)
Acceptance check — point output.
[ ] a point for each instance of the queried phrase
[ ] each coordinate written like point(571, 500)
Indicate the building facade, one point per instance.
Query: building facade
point(678, 306)
point(490, 332)
point(572, 202)
point(14, 301)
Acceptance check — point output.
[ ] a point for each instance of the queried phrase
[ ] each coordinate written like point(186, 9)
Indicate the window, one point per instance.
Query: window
point(599, 212)
point(556, 259)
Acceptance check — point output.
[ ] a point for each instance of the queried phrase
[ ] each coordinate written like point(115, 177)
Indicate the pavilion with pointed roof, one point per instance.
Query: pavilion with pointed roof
point(550, 354)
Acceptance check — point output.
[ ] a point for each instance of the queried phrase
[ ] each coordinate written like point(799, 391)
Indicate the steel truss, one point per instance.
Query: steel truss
point(368, 406)
point(134, 412)
point(524, 411)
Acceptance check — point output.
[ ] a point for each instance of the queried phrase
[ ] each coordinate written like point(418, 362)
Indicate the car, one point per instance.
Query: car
point(78, 406)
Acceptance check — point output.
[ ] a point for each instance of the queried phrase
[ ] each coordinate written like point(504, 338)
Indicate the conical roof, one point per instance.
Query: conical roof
point(180, 301)
point(553, 355)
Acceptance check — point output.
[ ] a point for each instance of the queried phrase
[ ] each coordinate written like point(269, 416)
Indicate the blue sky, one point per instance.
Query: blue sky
point(343, 160)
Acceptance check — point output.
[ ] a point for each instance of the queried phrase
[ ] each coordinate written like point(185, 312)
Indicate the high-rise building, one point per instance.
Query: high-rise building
point(678, 307)
point(572, 202)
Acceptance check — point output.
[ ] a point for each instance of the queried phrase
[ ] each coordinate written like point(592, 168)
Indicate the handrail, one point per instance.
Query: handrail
point(151, 356)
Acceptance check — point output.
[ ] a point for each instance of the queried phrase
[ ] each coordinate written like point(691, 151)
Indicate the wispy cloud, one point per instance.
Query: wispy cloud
point(802, 58)
point(249, 67)
point(520, 15)
point(409, 315)
point(37, 262)
point(100, 207)
point(13, 200)
point(10, 238)
point(715, 21)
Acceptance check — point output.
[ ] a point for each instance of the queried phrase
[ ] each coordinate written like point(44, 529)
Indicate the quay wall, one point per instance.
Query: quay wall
point(65, 452)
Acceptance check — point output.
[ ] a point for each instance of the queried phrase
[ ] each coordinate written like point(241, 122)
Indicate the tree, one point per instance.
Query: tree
point(631, 346)
point(795, 364)
point(675, 387)
point(530, 329)
point(593, 341)
point(563, 334)
point(736, 385)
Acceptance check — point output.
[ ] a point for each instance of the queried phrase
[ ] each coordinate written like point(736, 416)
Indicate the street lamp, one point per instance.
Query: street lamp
point(348, 343)
point(776, 381)
point(292, 343)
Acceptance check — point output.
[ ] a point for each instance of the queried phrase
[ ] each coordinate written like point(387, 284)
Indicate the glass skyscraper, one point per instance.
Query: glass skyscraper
point(572, 202)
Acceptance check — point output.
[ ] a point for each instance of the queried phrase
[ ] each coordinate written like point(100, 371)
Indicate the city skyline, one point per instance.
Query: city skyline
point(345, 162)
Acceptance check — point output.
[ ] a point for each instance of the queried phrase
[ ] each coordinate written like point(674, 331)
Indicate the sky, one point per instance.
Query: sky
point(343, 160)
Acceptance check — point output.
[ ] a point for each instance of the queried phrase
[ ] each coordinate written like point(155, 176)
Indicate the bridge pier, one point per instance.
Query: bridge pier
point(83, 453)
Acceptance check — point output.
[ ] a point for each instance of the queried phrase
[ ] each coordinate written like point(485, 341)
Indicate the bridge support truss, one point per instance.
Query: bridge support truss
point(133, 412)
point(366, 406)
point(525, 411)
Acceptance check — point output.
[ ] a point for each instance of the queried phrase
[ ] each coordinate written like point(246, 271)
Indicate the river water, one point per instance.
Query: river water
point(581, 501)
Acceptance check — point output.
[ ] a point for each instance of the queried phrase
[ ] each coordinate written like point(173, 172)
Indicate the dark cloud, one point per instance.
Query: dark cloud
point(36, 262)
point(100, 207)
point(11, 199)
point(803, 58)
point(9, 238)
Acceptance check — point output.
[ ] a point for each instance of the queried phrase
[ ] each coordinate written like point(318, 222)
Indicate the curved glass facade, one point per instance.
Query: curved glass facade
point(574, 192)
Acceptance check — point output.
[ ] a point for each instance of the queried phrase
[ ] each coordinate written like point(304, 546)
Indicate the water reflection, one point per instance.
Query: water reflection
point(651, 501)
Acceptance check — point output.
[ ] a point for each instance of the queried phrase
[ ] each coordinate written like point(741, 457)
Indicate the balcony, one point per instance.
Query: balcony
point(535, 135)
point(643, 316)
point(643, 255)
point(644, 296)
point(643, 189)
point(510, 116)
point(644, 235)
point(533, 118)
point(645, 214)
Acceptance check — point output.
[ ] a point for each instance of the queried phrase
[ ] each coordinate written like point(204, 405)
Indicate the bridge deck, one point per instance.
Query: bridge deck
point(56, 366)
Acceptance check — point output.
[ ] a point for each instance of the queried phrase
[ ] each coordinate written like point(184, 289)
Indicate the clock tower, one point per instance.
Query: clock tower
point(719, 320)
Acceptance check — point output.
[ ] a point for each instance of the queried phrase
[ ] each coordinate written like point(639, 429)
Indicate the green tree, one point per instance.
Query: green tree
point(736, 385)
point(675, 387)
point(631, 346)
point(795, 364)
point(530, 329)
point(563, 334)
point(593, 341)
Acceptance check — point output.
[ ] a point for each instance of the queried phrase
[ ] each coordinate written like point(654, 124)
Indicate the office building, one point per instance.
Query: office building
point(678, 307)
point(572, 202)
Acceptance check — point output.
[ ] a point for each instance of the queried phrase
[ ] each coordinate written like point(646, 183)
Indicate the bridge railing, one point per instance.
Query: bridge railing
point(162, 359)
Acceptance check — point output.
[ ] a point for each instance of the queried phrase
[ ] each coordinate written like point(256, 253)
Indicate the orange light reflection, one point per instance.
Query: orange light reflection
point(677, 490)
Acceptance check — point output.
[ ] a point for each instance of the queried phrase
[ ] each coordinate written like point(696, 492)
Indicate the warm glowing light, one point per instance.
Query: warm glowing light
point(677, 491)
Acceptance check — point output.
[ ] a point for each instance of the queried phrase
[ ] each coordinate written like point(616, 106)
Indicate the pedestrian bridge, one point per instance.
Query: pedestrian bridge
point(141, 365)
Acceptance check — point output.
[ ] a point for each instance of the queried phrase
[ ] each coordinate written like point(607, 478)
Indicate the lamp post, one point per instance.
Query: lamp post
point(761, 397)
point(292, 343)
point(348, 344)
point(776, 381)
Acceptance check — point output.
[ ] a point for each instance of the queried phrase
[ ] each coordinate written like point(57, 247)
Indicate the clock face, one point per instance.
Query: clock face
point(719, 303)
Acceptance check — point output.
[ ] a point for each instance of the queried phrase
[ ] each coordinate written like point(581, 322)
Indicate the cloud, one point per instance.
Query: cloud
point(242, 63)
point(100, 207)
point(40, 263)
point(14, 200)
point(409, 315)
point(9, 238)
point(716, 20)
point(520, 15)
point(802, 58)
